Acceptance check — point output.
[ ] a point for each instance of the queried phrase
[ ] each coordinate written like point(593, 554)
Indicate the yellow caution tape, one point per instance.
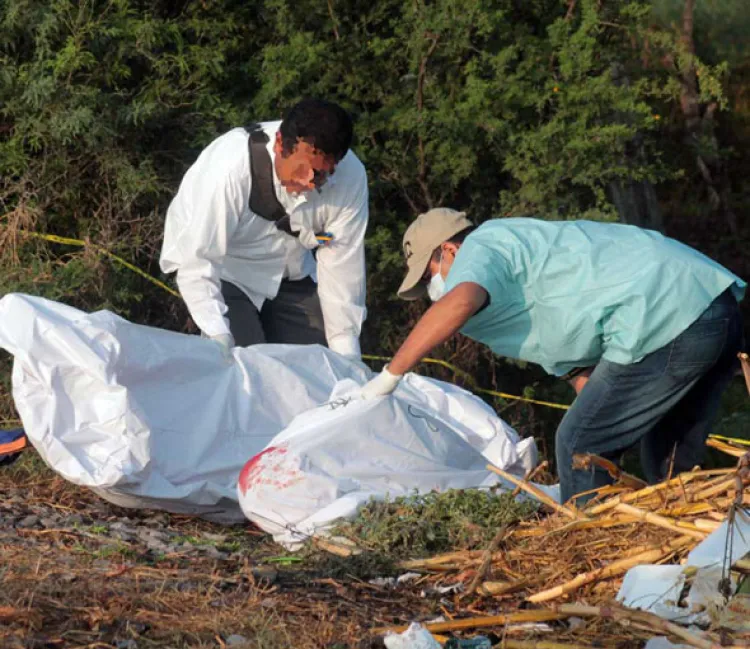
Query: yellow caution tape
point(733, 440)
point(435, 361)
point(83, 244)
point(472, 381)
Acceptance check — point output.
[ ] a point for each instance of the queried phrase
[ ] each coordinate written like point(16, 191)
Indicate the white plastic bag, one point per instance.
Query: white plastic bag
point(331, 460)
point(415, 637)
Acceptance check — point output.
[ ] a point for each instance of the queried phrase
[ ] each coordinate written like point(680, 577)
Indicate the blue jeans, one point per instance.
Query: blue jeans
point(667, 401)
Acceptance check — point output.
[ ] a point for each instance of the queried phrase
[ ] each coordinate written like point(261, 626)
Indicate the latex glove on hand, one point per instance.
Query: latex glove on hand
point(382, 385)
point(226, 343)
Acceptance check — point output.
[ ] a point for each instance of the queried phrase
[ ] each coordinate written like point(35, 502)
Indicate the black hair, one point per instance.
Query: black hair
point(459, 237)
point(322, 124)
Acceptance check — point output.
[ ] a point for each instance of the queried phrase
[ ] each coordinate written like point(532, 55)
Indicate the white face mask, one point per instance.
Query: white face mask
point(436, 287)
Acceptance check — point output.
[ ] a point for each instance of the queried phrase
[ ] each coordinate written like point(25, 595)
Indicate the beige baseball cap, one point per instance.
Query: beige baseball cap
point(421, 239)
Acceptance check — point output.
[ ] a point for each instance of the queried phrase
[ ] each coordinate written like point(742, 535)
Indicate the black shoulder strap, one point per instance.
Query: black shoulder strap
point(263, 200)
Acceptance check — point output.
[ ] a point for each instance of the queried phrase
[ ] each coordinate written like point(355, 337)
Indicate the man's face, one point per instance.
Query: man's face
point(304, 169)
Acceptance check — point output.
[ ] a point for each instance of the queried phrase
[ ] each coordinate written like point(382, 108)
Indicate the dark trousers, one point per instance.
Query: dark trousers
point(666, 402)
point(293, 316)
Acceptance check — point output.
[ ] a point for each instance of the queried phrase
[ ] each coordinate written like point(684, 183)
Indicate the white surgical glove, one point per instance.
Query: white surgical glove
point(383, 384)
point(226, 343)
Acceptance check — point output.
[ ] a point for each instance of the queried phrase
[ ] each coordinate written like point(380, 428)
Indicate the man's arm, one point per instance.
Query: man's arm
point(341, 276)
point(204, 216)
point(440, 322)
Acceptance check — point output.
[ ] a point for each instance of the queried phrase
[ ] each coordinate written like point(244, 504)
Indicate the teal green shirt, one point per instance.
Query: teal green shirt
point(565, 294)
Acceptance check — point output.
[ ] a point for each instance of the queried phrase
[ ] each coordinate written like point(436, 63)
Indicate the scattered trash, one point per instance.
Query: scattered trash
point(573, 623)
point(126, 644)
point(478, 642)
point(661, 642)
point(736, 614)
point(656, 589)
point(702, 590)
point(714, 551)
point(12, 443)
point(392, 582)
point(458, 587)
point(415, 637)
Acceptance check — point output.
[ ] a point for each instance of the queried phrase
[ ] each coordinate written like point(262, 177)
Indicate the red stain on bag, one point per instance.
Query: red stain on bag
point(252, 471)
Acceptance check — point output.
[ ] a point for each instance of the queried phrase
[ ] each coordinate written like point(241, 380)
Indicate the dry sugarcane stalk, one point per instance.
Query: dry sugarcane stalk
point(586, 460)
point(598, 524)
point(681, 479)
point(742, 565)
point(695, 487)
point(745, 362)
point(537, 493)
point(337, 547)
point(600, 494)
point(660, 521)
point(729, 449)
point(614, 569)
point(542, 615)
point(487, 560)
point(508, 643)
point(686, 510)
point(611, 503)
point(628, 616)
point(497, 588)
point(434, 563)
point(12, 614)
point(706, 525)
point(530, 475)
point(720, 488)
point(725, 503)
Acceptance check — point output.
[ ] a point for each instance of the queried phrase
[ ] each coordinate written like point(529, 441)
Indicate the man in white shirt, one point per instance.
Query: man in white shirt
point(267, 230)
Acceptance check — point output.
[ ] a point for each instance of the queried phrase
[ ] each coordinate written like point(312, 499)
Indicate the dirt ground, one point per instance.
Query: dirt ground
point(78, 572)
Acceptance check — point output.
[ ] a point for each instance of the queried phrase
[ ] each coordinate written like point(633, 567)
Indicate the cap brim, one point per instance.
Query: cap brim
point(412, 288)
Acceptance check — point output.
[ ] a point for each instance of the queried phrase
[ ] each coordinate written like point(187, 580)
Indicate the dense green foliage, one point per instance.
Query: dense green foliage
point(501, 107)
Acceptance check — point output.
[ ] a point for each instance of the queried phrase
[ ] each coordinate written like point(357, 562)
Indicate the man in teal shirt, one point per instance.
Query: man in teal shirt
point(648, 328)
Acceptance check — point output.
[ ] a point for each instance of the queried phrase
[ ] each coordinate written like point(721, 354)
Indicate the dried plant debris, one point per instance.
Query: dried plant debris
point(78, 572)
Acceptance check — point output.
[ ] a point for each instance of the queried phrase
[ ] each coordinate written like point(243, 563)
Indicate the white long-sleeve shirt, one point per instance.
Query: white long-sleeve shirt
point(212, 235)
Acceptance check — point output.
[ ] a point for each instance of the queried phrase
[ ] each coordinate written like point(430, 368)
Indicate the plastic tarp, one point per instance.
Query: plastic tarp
point(332, 459)
point(157, 419)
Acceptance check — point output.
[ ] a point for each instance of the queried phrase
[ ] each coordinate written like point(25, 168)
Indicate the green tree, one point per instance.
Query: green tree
point(552, 108)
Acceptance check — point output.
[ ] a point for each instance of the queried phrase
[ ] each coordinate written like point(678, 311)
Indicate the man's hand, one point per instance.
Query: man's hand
point(226, 343)
point(382, 385)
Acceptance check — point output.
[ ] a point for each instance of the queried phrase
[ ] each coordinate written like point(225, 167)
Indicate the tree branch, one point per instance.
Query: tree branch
point(333, 20)
point(422, 176)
